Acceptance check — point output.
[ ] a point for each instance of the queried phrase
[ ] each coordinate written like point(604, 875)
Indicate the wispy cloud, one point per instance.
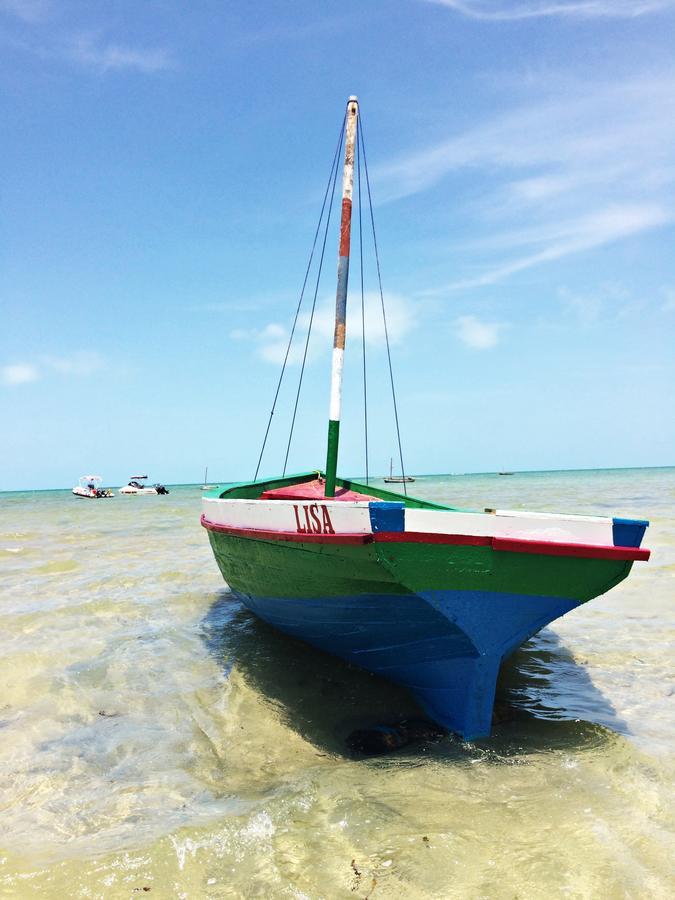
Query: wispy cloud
point(477, 333)
point(573, 236)
point(30, 11)
point(18, 373)
point(91, 49)
point(504, 11)
point(271, 340)
point(80, 364)
point(93, 52)
point(669, 302)
point(583, 168)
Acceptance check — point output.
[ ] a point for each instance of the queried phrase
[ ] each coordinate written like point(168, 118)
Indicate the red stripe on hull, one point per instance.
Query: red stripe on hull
point(586, 551)
point(509, 545)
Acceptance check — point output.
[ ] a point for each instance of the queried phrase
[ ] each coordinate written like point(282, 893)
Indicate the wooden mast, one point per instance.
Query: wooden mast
point(341, 298)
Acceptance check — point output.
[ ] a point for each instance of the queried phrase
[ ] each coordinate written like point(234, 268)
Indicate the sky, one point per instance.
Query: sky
point(163, 167)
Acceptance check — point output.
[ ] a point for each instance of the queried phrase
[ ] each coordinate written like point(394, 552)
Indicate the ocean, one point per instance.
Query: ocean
point(155, 738)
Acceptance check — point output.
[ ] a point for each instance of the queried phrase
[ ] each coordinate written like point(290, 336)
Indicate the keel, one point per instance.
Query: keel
point(463, 695)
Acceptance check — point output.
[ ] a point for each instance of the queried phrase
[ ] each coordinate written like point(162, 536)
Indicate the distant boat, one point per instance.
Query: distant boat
point(206, 486)
point(88, 488)
point(429, 596)
point(397, 479)
point(136, 486)
point(505, 473)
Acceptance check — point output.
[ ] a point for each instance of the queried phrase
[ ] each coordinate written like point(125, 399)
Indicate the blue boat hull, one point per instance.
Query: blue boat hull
point(445, 646)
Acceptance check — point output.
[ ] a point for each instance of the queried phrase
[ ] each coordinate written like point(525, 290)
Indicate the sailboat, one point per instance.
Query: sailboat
point(397, 479)
point(206, 486)
point(429, 596)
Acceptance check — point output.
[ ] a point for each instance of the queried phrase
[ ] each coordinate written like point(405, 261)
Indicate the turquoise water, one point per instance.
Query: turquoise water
point(155, 735)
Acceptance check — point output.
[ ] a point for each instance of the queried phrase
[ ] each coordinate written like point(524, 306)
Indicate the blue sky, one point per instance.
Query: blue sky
point(162, 173)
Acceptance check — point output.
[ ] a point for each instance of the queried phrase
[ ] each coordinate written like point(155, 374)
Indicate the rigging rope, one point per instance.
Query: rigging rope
point(361, 138)
point(331, 178)
point(334, 174)
point(328, 205)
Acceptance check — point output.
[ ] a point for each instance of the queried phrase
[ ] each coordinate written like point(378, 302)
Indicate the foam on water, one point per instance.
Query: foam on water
point(155, 735)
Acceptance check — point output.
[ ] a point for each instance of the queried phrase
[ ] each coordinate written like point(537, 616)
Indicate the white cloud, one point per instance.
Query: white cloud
point(574, 236)
point(478, 334)
point(587, 166)
point(81, 363)
point(583, 134)
point(587, 308)
point(87, 50)
point(31, 11)
point(19, 373)
point(607, 302)
point(272, 339)
point(498, 10)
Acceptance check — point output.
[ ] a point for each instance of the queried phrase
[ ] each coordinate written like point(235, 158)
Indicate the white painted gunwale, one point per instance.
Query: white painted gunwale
point(353, 517)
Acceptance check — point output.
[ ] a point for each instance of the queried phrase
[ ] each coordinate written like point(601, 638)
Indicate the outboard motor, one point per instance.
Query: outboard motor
point(160, 489)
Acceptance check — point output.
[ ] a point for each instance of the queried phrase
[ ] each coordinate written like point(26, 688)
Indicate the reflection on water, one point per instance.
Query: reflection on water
point(156, 735)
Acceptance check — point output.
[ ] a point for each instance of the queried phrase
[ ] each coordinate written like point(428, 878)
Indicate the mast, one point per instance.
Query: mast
point(341, 298)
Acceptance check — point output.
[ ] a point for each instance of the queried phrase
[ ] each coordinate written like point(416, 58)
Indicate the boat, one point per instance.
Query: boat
point(429, 596)
point(397, 479)
point(206, 486)
point(89, 488)
point(136, 486)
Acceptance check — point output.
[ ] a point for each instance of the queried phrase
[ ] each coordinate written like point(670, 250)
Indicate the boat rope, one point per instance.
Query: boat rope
point(363, 308)
point(361, 139)
point(331, 178)
point(334, 174)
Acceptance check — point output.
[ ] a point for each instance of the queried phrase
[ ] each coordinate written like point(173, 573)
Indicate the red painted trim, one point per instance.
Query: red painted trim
point(515, 545)
point(264, 534)
point(585, 551)
point(345, 226)
point(509, 545)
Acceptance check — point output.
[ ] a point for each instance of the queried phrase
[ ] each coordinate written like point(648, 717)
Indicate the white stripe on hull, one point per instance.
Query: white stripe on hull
point(354, 518)
point(279, 515)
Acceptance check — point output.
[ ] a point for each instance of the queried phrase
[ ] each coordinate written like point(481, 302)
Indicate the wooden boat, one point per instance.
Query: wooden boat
point(397, 479)
point(89, 488)
point(429, 596)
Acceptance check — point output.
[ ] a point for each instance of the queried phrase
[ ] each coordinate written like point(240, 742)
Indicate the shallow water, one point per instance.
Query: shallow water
point(155, 735)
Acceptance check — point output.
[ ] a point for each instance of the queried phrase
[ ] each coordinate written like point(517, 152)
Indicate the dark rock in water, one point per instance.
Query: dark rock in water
point(386, 738)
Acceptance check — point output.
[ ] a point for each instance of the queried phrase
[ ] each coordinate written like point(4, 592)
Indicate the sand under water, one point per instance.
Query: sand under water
point(156, 739)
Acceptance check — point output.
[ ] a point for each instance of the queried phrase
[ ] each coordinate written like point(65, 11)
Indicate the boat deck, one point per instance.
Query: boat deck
point(314, 490)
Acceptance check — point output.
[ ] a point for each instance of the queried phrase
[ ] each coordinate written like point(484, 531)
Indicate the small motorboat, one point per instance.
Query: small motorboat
point(136, 485)
point(89, 488)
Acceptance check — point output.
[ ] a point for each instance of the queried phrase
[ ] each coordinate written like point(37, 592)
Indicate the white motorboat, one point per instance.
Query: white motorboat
point(89, 488)
point(137, 486)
